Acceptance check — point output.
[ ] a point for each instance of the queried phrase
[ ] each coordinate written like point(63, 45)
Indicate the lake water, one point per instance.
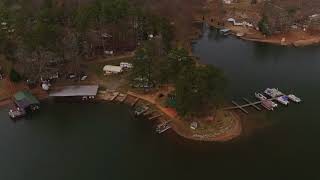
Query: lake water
point(104, 141)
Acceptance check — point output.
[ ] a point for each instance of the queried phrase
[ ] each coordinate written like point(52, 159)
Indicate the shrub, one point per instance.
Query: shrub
point(264, 26)
point(15, 76)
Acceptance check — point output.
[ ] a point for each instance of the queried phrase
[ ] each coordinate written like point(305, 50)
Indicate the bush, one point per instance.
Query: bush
point(264, 26)
point(15, 76)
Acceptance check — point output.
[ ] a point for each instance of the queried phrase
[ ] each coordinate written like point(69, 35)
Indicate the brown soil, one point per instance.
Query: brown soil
point(182, 127)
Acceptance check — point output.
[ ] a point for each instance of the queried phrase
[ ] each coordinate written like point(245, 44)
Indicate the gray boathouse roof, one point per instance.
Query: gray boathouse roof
point(72, 91)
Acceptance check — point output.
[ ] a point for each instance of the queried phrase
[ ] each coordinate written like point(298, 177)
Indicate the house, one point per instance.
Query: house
point(110, 69)
point(235, 23)
point(25, 100)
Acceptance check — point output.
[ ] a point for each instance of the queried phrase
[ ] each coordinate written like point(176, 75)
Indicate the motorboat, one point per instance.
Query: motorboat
point(260, 96)
point(294, 98)
point(273, 92)
point(283, 100)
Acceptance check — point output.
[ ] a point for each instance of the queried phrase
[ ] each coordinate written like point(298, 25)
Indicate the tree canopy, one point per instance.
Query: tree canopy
point(198, 88)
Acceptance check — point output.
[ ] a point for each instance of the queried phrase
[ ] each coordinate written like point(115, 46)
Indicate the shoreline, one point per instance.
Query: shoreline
point(177, 124)
point(180, 128)
point(292, 38)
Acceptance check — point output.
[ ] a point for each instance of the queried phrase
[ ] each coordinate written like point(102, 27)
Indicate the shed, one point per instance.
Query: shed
point(24, 99)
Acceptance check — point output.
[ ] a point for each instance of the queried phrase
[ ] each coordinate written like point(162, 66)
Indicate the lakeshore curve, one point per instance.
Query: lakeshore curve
point(178, 125)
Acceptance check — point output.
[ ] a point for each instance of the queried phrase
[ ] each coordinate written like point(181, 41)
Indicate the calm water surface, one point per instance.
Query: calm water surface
point(103, 141)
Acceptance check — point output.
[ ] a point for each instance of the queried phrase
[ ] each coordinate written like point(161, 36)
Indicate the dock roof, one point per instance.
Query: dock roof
point(24, 99)
point(73, 91)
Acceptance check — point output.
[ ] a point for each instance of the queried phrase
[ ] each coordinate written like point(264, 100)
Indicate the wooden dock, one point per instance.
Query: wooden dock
point(135, 102)
point(141, 111)
point(148, 113)
point(124, 99)
point(240, 107)
point(115, 95)
point(163, 127)
point(253, 105)
point(249, 104)
point(155, 117)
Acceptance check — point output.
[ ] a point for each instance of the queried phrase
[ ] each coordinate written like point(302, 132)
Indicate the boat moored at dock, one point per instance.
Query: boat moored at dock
point(161, 128)
point(260, 96)
point(263, 98)
point(140, 110)
point(269, 105)
point(283, 100)
point(294, 98)
point(273, 92)
point(17, 113)
point(24, 102)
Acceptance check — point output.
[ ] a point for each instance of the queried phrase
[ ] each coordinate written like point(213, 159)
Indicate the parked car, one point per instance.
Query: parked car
point(31, 83)
point(71, 76)
point(54, 76)
point(126, 65)
point(83, 76)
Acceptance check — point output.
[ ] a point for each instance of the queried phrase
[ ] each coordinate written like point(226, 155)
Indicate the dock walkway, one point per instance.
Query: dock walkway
point(248, 104)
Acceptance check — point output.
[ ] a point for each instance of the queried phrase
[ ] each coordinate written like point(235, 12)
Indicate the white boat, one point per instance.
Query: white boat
point(17, 113)
point(294, 98)
point(274, 104)
point(224, 31)
point(260, 96)
point(283, 100)
point(273, 92)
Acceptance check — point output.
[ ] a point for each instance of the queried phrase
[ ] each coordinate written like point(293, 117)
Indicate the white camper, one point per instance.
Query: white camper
point(110, 69)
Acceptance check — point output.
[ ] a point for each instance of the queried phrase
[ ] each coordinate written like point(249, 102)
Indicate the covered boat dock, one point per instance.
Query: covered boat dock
point(75, 91)
point(24, 100)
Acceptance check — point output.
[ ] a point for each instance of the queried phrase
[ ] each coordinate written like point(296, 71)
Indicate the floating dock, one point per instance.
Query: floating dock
point(254, 105)
point(122, 97)
point(273, 93)
point(163, 127)
point(135, 102)
point(148, 113)
point(155, 116)
point(240, 107)
point(141, 110)
point(115, 95)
